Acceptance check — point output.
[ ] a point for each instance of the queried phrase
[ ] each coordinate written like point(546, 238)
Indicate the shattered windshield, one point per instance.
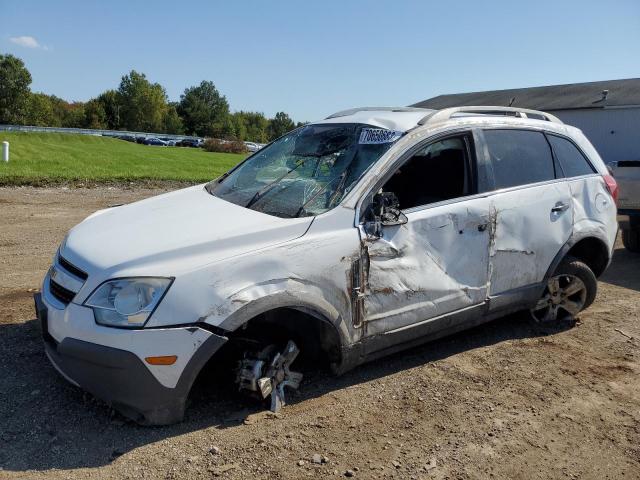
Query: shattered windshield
point(306, 172)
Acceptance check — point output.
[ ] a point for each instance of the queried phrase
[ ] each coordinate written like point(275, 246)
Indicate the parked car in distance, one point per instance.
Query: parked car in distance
point(169, 142)
point(350, 238)
point(126, 138)
point(627, 174)
point(189, 142)
point(154, 141)
point(252, 146)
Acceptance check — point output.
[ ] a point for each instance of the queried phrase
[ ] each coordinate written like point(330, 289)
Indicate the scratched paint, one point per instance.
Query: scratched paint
point(594, 209)
point(528, 234)
point(435, 264)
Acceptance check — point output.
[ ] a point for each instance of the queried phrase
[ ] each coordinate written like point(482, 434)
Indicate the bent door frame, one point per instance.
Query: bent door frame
point(480, 181)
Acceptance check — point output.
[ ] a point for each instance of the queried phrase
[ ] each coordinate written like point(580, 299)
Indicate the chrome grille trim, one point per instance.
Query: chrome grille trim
point(65, 280)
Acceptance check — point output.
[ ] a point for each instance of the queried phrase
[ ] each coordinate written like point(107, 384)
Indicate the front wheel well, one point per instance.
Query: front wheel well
point(317, 338)
point(593, 252)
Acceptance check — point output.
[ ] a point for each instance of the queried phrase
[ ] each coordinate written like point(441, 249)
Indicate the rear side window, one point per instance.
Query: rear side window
point(519, 157)
point(571, 160)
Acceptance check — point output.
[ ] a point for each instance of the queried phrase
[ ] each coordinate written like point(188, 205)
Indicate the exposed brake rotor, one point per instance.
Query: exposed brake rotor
point(267, 373)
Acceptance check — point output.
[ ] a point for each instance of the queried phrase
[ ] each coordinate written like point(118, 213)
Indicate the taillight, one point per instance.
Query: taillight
point(612, 186)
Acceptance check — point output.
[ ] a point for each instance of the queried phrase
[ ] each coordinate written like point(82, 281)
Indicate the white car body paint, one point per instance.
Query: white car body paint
point(231, 263)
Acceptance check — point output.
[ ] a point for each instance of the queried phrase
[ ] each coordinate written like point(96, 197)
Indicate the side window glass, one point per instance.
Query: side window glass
point(519, 157)
point(571, 159)
point(435, 173)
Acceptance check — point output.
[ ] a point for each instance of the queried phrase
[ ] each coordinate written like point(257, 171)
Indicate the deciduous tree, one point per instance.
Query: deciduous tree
point(40, 111)
point(204, 110)
point(279, 125)
point(14, 89)
point(142, 104)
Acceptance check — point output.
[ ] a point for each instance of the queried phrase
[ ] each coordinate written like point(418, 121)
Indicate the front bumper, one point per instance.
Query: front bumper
point(120, 377)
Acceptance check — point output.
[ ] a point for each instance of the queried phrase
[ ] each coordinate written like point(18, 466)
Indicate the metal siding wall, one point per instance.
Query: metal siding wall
point(614, 132)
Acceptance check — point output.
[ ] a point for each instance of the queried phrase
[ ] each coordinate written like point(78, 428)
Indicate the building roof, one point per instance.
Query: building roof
point(553, 97)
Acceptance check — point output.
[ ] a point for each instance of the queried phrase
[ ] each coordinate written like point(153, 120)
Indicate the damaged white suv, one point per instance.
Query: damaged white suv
point(346, 239)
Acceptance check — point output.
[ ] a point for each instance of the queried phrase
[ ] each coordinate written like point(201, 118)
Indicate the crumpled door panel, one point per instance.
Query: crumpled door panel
point(435, 264)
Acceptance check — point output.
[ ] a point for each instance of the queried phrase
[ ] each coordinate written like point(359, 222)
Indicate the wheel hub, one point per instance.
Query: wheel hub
point(267, 373)
point(564, 297)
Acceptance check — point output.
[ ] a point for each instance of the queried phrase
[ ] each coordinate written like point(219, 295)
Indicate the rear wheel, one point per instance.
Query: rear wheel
point(570, 289)
point(631, 240)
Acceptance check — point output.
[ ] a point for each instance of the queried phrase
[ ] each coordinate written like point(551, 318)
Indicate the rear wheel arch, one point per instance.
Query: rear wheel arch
point(589, 249)
point(593, 252)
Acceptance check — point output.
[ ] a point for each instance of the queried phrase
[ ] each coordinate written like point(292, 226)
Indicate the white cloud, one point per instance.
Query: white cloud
point(26, 41)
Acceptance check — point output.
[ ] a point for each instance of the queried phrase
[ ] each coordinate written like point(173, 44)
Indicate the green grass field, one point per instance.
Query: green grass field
point(57, 158)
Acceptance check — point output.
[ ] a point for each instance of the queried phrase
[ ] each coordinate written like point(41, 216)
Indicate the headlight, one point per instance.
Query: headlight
point(127, 302)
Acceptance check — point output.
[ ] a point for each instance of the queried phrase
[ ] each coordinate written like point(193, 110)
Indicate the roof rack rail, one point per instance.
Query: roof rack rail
point(446, 113)
point(351, 111)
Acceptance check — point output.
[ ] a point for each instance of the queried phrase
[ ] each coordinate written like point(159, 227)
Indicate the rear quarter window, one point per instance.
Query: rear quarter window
point(572, 161)
point(519, 157)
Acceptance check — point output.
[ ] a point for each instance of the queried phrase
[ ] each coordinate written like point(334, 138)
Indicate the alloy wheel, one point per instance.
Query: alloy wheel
point(563, 298)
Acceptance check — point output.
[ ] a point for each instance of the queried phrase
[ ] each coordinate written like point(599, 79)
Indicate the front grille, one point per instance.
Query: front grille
point(71, 268)
point(61, 293)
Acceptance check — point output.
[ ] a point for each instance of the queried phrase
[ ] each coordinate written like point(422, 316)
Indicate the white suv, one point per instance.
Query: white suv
point(346, 239)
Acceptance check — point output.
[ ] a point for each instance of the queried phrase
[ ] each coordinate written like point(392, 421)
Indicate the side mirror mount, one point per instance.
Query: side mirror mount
point(384, 210)
point(393, 216)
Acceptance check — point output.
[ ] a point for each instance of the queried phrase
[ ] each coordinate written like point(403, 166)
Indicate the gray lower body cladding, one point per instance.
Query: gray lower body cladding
point(121, 379)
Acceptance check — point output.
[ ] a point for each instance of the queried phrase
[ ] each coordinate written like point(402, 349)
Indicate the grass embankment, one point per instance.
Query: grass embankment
point(55, 158)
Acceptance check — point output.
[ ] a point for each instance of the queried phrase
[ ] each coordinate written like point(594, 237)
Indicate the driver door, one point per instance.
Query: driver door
point(436, 264)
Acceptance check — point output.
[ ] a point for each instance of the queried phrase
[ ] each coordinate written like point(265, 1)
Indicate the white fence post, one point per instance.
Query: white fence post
point(5, 151)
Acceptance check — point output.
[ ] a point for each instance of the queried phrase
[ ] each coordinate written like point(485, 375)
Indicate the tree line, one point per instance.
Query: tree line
point(138, 105)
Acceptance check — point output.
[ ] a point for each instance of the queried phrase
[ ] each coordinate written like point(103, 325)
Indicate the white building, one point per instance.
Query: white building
point(607, 112)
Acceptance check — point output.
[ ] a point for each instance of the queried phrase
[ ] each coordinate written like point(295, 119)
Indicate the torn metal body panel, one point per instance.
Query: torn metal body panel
point(289, 275)
point(593, 210)
point(435, 264)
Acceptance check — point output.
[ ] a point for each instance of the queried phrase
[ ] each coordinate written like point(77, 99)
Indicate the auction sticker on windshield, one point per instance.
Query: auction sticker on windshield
point(372, 136)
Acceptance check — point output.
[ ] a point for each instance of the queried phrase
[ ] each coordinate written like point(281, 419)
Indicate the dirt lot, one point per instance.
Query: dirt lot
point(507, 400)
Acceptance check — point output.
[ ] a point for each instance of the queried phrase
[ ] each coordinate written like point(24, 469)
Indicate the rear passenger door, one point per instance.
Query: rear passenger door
point(531, 210)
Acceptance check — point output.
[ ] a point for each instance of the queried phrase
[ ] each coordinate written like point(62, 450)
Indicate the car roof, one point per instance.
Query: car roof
point(403, 119)
point(400, 119)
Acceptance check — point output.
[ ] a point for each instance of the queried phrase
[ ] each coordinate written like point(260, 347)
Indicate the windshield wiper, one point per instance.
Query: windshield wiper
point(210, 186)
point(267, 188)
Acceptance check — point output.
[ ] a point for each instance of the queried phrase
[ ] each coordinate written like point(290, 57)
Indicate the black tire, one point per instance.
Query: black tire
point(631, 240)
point(571, 267)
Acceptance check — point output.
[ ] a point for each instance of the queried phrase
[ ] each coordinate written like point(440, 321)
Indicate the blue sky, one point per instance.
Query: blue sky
point(313, 58)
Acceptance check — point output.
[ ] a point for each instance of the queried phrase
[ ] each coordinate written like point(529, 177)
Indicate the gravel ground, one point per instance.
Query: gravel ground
point(508, 400)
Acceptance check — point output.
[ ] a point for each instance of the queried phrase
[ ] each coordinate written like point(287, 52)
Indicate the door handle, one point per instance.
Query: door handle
point(560, 207)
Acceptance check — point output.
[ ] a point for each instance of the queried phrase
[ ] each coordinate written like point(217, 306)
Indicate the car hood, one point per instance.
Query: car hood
point(174, 232)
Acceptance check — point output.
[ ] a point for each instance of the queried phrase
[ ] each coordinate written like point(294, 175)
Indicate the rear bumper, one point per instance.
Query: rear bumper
point(120, 377)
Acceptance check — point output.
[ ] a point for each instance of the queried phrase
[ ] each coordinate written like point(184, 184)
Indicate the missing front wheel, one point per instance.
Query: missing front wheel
point(267, 373)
